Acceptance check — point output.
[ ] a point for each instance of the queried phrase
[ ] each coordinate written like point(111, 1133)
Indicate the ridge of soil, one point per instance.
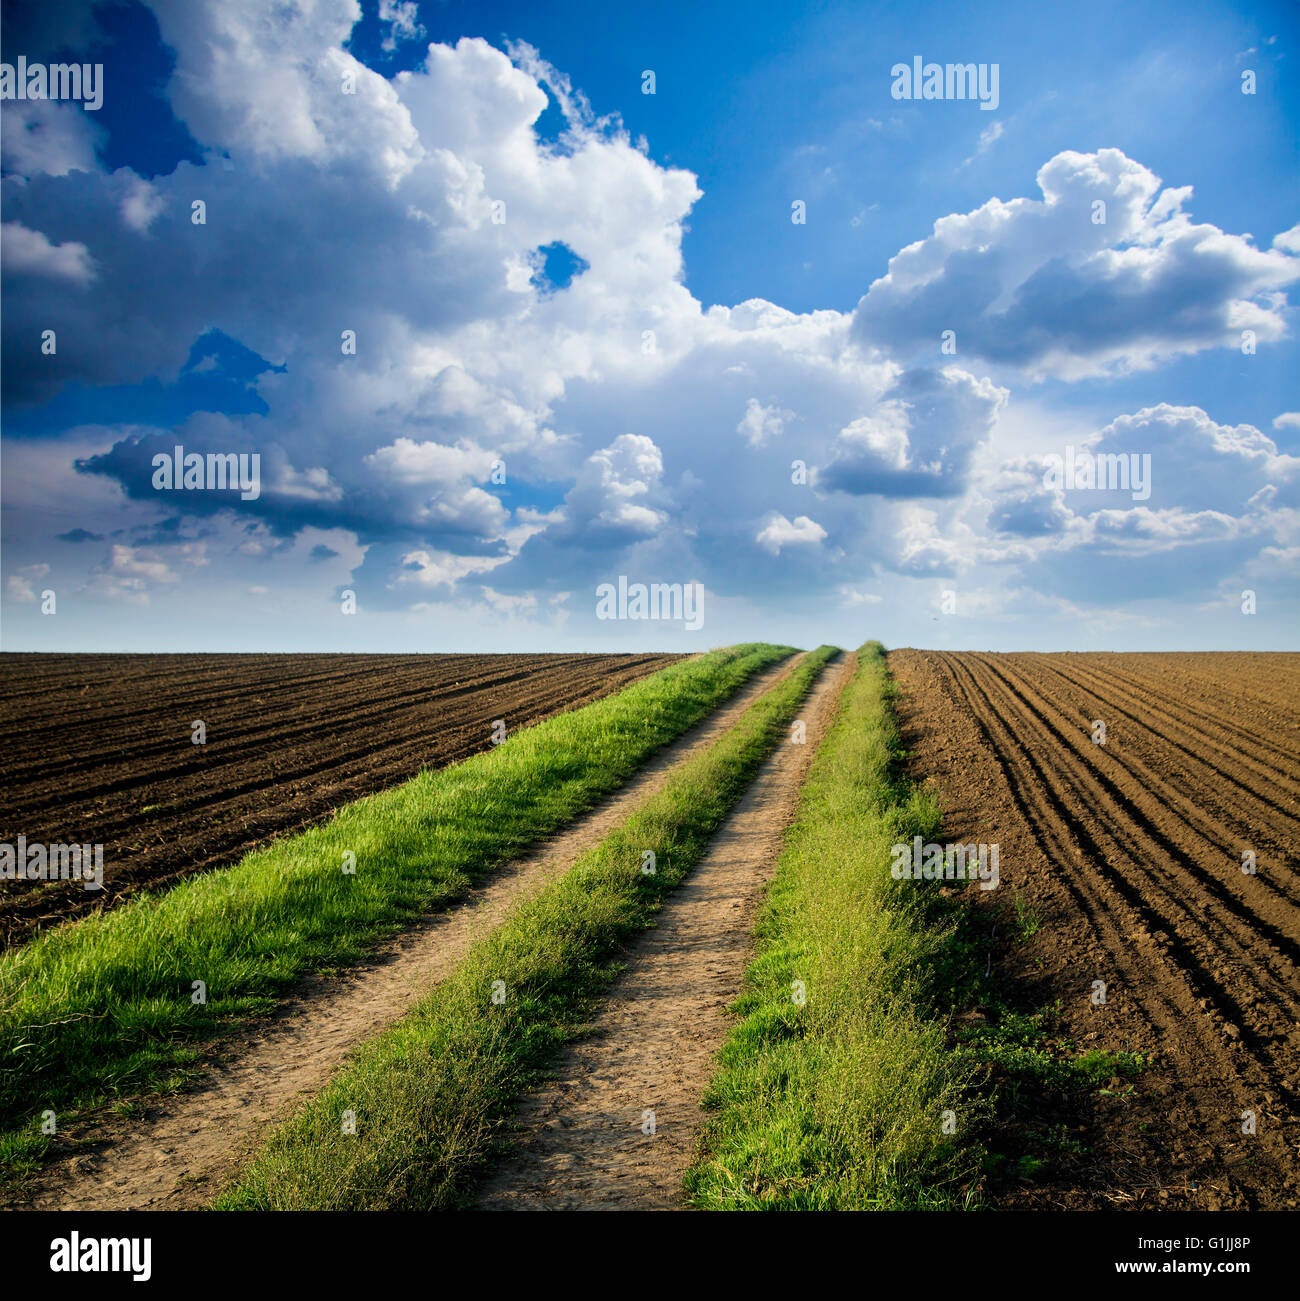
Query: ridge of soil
point(1129, 854)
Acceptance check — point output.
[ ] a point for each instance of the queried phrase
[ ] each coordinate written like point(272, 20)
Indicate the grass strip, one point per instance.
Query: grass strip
point(430, 1099)
point(110, 1004)
point(832, 1089)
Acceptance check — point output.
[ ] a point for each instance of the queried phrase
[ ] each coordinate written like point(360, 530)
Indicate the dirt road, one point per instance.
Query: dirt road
point(584, 1139)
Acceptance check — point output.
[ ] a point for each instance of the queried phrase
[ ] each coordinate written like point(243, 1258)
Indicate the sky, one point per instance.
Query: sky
point(501, 303)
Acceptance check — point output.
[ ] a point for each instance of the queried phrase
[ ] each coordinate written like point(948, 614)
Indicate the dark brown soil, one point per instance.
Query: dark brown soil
point(1129, 855)
point(98, 749)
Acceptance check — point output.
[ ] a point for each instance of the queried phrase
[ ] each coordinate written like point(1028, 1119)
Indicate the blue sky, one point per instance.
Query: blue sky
point(618, 370)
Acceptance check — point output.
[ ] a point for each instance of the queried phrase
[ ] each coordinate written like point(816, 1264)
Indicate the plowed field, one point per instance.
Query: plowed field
point(1131, 854)
point(98, 749)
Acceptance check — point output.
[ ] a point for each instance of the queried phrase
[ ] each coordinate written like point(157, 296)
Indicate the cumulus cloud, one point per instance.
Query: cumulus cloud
point(410, 212)
point(1064, 285)
point(42, 137)
point(920, 438)
point(1022, 504)
point(21, 585)
point(1289, 240)
point(29, 252)
point(780, 532)
point(1221, 493)
point(132, 573)
point(410, 462)
point(1196, 464)
point(141, 203)
point(610, 504)
point(425, 568)
point(403, 19)
point(274, 87)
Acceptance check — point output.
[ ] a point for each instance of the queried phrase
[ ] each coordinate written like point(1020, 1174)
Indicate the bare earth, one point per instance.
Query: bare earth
point(1129, 854)
point(97, 749)
point(188, 1145)
point(655, 1038)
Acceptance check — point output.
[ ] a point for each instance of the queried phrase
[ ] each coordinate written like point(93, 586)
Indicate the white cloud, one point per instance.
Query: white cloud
point(853, 596)
point(403, 19)
point(29, 252)
point(1289, 240)
point(271, 85)
point(1045, 286)
point(130, 574)
point(609, 502)
point(48, 137)
point(141, 205)
point(920, 438)
point(411, 462)
point(780, 532)
point(435, 569)
point(988, 138)
point(760, 425)
point(20, 586)
point(312, 484)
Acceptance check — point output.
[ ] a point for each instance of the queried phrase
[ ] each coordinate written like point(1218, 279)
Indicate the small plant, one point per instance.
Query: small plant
point(1027, 920)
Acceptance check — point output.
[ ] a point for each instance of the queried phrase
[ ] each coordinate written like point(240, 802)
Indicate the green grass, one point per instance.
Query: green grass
point(433, 1096)
point(1027, 920)
point(1030, 1078)
point(1019, 1049)
point(105, 1006)
point(839, 1102)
